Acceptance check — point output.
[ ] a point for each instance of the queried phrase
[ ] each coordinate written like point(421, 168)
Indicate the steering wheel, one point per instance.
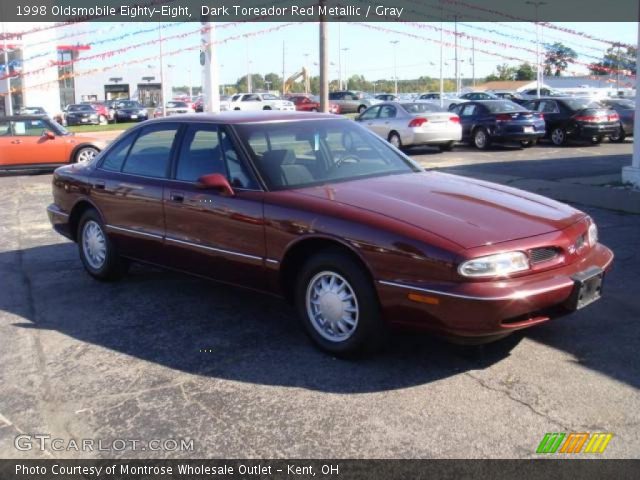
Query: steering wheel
point(349, 158)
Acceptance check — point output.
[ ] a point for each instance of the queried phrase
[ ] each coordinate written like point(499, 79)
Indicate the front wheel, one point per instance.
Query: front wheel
point(97, 252)
point(481, 139)
point(596, 140)
point(394, 139)
point(559, 136)
point(337, 304)
point(362, 108)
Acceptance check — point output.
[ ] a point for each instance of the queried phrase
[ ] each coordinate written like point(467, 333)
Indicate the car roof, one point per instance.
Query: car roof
point(248, 116)
point(24, 117)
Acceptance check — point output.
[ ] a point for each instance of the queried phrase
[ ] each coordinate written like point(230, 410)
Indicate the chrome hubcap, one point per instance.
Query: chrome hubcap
point(86, 155)
point(481, 139)
point(395, 141)
point(557, 136)
point(94, 244)
point(332, 306)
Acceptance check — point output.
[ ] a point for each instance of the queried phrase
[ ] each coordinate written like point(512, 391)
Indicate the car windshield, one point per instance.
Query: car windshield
point(129, 104)
point(503, 107)
point(314, 152)
point(176, 104)
point(418, 107)
point(80, 108)
point(269, 96)
point(581, 103)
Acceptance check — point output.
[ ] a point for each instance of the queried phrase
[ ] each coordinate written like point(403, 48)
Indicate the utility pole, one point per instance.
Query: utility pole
point(346, 80)
point(9, 101)
point(395, 66)
point(473, 60)
point(618, 69)
point(441, 60)
point(455, 20)
point(249, 86)
point(284, 78)
point(536, 4)
point(209, 62)
point(324, 64)
point(162, 86)
point(339, 60)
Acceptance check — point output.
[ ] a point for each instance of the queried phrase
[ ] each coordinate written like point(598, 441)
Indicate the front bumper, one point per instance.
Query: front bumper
point(83, 121)
point(130, 117)
point(486, 309)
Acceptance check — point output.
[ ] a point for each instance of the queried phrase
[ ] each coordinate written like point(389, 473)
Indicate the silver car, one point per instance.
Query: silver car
point(406, 124)
point(352, 101)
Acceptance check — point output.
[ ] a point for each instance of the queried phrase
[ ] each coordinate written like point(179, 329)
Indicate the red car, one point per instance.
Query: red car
point(318, 210)
point(105, 114)
point(305, 103)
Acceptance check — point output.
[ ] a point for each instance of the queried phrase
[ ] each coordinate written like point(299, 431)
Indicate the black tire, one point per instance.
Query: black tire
point(528, 143)
point(85, 154)
point(596, 140)
point(237, 108)
point(481, 139)
point(113, 267)
point(394, 139)
point(362, 108)
point(619, 137)
point(446, 147)
point(266, 107)
point(368, 332)
point(558, 136)
point(314, 109)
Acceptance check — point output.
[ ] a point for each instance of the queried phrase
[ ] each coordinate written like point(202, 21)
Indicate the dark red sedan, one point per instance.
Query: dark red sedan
point(305, 103)
point(316, 209)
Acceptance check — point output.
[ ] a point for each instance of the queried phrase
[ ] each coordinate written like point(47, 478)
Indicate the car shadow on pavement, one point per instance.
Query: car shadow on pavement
point(203, 328)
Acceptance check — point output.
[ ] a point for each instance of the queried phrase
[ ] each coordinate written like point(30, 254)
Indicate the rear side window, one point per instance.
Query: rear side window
point(149, 156)
point(115, 157)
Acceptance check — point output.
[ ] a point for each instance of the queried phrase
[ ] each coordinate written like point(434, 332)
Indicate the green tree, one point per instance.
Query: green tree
point(525, 72)
point(557, 58)
point(616, 58)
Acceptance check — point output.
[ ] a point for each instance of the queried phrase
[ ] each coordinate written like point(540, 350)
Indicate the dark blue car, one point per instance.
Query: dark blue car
point(501, 121)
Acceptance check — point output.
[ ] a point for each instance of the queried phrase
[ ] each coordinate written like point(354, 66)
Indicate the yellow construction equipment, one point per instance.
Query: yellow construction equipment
point(292, 79)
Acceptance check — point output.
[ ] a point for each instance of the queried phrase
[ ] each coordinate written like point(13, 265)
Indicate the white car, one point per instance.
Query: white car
point(259, 101)
point(174, 108)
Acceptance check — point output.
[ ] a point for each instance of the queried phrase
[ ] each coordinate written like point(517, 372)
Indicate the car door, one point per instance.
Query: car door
point(26, 143)
point(128, 189)
point(468, 113)
point(384, 123)
point(369, 118)
point(209, 232)
point(553, 117)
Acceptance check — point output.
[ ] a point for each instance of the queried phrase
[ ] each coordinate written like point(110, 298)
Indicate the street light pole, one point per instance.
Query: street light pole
point(395, 66)
point(162, 85)
point(346, 79)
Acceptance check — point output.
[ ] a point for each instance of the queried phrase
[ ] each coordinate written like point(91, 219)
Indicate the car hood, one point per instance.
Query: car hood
point(466, 211)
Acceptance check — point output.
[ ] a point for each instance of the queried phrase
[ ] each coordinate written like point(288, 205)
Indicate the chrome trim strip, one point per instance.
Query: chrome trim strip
point(213, 249)
point(514, 296)
point(271, 260)
point(135, 232)
point(57, 212)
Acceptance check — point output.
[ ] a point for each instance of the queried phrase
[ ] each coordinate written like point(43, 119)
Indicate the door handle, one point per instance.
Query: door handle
point(99, 185)
point(176, 197)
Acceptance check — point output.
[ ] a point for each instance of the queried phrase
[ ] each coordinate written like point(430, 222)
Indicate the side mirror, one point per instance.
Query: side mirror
point(216, 181)
point(49, 135)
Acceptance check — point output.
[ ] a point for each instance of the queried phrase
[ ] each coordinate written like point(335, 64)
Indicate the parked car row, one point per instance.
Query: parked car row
point(482, 122)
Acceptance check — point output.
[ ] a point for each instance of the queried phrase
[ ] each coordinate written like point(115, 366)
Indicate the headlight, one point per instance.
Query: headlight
point(142, 112)
point(592, 234)
point(93, 115)
point(500, 264)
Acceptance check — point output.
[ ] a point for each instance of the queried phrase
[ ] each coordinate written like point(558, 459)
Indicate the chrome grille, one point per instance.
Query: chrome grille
point(543, 254)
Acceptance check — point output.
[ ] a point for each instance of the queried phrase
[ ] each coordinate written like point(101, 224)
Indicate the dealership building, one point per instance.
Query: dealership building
point(38, 69)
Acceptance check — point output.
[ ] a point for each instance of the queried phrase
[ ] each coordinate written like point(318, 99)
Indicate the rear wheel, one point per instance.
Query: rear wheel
point(97, 252)
point(338, 304)
point(267, 107)
point(481, 139)
point(362, 108)
point(85, 154)
point(394, 139)
point(559, 136)
point(314, 109)
point(618, 137)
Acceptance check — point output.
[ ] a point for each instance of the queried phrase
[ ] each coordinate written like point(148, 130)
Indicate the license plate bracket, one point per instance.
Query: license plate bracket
point(528, 129)
point(587, 288)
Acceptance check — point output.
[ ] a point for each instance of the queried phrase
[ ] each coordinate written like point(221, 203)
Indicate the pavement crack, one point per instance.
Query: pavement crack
point(484, 384)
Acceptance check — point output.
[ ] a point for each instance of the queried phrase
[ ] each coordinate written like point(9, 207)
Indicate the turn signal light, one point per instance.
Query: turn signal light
point(416, 297)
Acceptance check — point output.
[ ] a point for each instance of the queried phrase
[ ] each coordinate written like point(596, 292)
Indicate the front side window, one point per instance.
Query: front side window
point(149, 156)
point(387, 111)
point(251, 98)
point(295, 154)
point(114, 157)
point(370, 114)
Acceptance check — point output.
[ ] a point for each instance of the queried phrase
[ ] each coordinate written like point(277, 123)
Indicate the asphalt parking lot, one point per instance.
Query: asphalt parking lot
point(160, 355)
